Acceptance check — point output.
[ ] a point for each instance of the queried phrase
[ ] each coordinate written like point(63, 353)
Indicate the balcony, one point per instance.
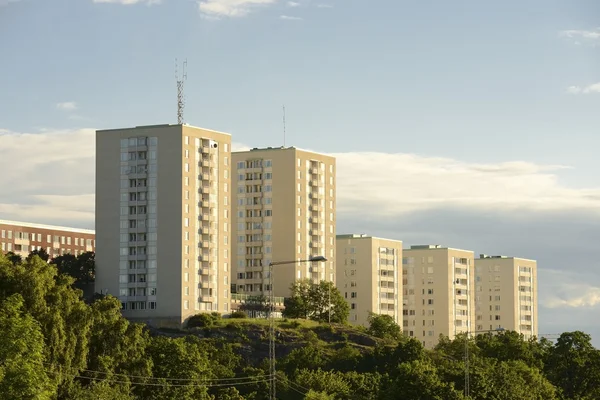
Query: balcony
point(204, 284)
point(207, 189)
point(207, 298)
point(254, 256)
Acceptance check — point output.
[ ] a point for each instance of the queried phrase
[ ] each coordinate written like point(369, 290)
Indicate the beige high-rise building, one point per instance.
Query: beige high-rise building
point(438, 292)
point(163, 220)
point(369, 276)
point(506, 294)
point(284, 211)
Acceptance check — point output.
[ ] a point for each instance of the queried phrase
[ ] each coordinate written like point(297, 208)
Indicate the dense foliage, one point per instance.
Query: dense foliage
point(320, 302)
point(55, 346)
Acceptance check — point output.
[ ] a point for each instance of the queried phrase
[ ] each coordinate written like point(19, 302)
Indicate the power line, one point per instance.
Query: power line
point(162, 384)
point(167, 379)
point(290, 382)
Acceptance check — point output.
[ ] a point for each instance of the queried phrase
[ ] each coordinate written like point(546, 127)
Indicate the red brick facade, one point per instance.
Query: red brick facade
point(23, 237)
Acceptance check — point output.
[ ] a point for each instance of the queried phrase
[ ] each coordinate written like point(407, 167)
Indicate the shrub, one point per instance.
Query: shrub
point(234, 326)
point(238, 314)
point(202, 320)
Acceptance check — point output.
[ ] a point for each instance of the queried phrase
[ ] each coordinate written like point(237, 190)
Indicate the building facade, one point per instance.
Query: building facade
point(506, 294)
point(284, 211)
point(23, 237)
point(369, 276)
point(438, 293)
point(163, 220)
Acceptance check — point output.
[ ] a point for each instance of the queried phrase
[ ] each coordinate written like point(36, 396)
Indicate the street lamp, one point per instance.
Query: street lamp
point(272, 371)
point(467, 373)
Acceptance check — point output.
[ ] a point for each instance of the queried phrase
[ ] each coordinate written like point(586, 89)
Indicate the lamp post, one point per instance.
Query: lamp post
point(272, 369)
point(467, 373)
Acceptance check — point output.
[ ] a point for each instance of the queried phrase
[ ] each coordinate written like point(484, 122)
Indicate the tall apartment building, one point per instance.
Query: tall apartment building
point(438, 292)
point(369, 275)
point(506, 294)
point(163, 220)
point(23, 237)
point(284, 211)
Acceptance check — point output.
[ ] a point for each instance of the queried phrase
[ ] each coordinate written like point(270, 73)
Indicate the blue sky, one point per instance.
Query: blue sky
point(435, 109)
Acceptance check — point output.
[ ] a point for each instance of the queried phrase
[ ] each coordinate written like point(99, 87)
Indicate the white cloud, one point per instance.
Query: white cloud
point(54, 177)
point(593, 88)
point(576, 295)
point(67, 106)
point(581, 34)
point(394, 184)
point(61, 163)
point(230, 8)
point(567, 289)
point(293, 4)
point(290, 18)
point(129, 2)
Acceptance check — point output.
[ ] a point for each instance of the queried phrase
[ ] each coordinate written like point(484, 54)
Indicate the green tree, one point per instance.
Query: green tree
point(22, 370)
point(64, 319)
point(313, 395)
point(384, 327)
point(180, 368)
point(573, 365)
point(41, 253)
point(318, 302)
point(511, 346)
point(419, 380)
point(229, 393)
point(514, 380)
point(14, 258)
point(329, 382)
point(310, 356)
point(116, 346)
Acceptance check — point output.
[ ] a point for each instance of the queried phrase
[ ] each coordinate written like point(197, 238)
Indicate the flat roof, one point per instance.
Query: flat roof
point(50, 227)
point(275, 148)
point(161, 126)
point(435, 247)
point(488, 257)
point(362, 236)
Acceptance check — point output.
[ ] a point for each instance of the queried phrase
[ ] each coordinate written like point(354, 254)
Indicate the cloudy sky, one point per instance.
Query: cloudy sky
point(469, 124)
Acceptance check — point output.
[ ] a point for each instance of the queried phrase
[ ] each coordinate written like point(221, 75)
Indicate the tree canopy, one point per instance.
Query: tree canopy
point(53, 345)
point(316, 301)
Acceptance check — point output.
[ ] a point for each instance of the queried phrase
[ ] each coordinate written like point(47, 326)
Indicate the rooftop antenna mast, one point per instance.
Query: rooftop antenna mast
point(180, 98)
point(284, 126)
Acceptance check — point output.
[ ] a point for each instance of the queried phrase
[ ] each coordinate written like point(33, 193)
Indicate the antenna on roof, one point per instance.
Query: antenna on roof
point(284, 125)
point(180, 98)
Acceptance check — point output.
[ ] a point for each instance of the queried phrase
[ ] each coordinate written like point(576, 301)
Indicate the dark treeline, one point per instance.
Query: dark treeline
point(53, 345)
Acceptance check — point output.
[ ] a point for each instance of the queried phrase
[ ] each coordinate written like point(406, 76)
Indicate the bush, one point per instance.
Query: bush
point(238, 314)
point(203, 320)
point(234, 326)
